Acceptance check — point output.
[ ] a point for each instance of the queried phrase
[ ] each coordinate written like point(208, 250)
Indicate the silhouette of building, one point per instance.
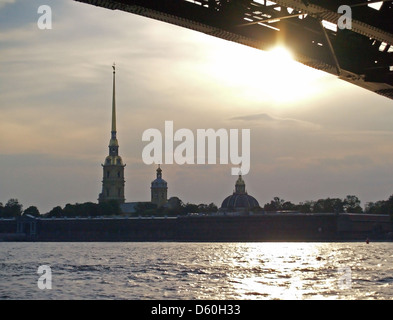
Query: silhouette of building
point(113, 168)
point(159, 189)
point(239, 201)
point(159, 196)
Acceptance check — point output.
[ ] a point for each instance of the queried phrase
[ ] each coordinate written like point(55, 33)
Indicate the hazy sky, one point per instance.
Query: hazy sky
point(312, 136)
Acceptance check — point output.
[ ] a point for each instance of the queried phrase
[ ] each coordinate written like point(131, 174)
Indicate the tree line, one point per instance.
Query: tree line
point(175, 207)
point(350, 204)
point(13, 208)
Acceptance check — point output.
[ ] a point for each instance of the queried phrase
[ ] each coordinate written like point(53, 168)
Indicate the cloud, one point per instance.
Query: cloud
point(256, 117)
point(349, 162)
point(3, 3)
point(267, 118)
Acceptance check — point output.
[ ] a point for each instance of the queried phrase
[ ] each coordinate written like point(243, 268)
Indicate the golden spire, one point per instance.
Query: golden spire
point(114, 144)
point(114, 100)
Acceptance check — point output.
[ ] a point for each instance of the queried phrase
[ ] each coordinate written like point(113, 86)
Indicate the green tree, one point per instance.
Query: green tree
point(190, 208)
point(56, 212)
point(380, 207)
point(89, 209)
point(115, 207)
point(69, 210)
point(306, 207)
point(278, 203)
point(275, 205)
point(202, 207)
point(351, 204)
point(212, 208)
point(13, 208)
point(256, 209)
point(269, 206)
point(389, 205)
point(328, 205)
point(173, 207)
point(32, 211)
point(369, 207)
point(109, 208)
point(146, 209)
point(288, 205)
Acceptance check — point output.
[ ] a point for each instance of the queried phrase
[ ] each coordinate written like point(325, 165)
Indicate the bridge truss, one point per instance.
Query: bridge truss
point(362, 55)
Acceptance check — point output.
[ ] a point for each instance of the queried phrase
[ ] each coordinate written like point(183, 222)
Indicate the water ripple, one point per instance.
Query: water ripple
point(198, 270)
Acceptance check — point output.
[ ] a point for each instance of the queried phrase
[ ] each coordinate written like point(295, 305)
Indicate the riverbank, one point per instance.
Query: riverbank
point(241, 228)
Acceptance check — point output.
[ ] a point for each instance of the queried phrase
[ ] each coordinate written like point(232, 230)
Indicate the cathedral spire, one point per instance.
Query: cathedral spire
point(114, 102)
point(114, 144)
point(113, 168)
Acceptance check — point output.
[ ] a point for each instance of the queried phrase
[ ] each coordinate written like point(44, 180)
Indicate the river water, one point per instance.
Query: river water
point(203, 271)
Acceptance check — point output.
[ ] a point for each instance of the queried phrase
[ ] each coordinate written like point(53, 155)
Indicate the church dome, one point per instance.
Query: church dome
point(159, 182)
point(239, 200)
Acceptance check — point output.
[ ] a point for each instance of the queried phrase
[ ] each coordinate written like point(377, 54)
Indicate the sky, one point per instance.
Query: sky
point(312, 135)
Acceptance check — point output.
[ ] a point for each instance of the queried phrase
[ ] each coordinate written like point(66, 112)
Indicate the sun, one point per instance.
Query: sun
point(280, 55)
point(288, 80)
point(273, 76)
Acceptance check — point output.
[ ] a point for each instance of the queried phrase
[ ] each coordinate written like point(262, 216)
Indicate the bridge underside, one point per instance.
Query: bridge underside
point(362, 55)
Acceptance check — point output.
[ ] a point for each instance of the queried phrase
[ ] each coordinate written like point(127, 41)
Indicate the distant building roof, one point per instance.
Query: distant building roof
point(159, 182)
point(239, 200)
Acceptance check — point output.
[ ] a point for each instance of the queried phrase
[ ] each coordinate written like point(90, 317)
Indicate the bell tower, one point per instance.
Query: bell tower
point(113, 169)
point(159, 189)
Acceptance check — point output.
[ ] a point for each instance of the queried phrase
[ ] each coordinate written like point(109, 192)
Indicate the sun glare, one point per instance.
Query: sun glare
point(280, 55)
point(288, 80)
point(280, 270)
point(272, 75)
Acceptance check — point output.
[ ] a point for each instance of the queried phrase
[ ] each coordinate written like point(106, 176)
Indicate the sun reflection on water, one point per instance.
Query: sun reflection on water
point(282, 271)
